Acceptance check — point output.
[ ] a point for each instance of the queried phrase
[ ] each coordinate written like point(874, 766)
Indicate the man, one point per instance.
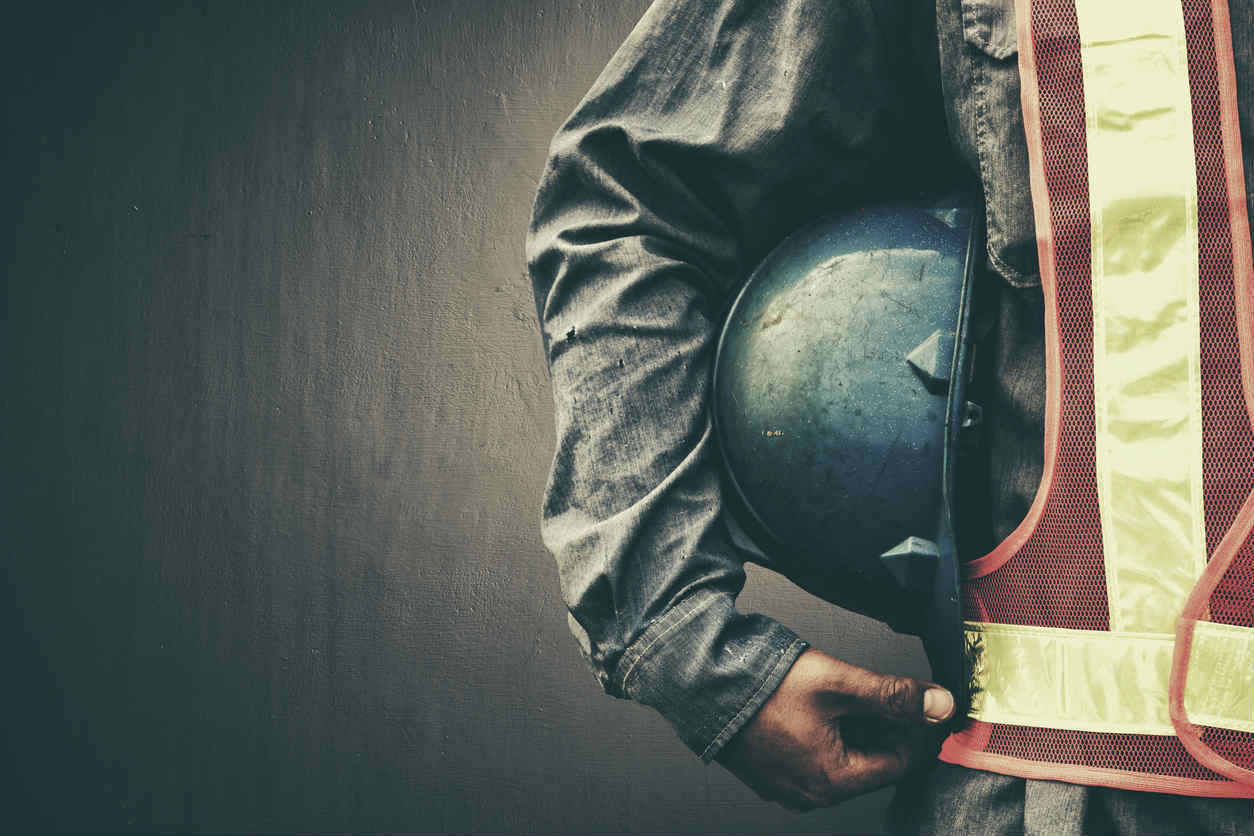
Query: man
point(717, 128)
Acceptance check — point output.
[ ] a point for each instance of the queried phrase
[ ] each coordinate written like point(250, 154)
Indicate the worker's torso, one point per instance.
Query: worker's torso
point(1111, 626)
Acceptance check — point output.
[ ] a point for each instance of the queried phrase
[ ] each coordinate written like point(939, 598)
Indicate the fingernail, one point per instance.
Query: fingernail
point(938, 704)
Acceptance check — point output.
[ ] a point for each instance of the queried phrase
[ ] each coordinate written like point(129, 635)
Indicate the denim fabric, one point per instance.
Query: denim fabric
point(718, 127)
point(956, 801)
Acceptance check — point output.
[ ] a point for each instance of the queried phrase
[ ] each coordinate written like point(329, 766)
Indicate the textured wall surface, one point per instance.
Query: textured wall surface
point(276, 423)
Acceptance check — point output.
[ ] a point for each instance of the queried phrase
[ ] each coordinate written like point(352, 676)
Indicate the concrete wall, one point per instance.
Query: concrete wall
point(276, 423)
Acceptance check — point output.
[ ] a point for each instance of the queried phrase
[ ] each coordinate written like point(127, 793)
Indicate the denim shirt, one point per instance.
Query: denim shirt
point(718, 127)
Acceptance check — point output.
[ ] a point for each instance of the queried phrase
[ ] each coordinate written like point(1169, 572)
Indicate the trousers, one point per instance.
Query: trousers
point(957, 801)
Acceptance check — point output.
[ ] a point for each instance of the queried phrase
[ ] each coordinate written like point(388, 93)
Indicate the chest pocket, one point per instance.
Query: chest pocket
point(989, 25)
point(979, 49)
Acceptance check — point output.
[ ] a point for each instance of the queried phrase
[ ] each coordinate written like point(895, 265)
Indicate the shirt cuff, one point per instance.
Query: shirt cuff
point(708, 668)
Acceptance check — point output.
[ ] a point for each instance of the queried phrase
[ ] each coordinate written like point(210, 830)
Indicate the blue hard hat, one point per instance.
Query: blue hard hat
point(840, 407)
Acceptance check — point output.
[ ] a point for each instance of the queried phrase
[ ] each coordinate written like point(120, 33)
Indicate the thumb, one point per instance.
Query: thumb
point(903, 698)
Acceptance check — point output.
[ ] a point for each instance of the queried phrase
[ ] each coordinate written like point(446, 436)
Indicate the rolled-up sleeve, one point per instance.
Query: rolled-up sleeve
point(715, 129)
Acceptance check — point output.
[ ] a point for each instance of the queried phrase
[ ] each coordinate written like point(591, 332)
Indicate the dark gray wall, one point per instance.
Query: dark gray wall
point(276, 423)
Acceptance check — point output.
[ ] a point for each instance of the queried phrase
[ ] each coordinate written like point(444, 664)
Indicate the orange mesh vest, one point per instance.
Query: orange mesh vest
point(1111, 635)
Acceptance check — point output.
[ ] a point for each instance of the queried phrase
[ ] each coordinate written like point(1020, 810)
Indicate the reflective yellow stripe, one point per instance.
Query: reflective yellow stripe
point(1108, 682)
point(1146, 363)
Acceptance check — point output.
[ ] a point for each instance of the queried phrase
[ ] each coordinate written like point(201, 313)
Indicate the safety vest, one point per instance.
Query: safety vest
point(1111, 635)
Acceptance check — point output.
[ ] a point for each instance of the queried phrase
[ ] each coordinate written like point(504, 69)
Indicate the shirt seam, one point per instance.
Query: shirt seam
point(751, 705)
point(979, 77)
point(680, 616)
point(1014, 277)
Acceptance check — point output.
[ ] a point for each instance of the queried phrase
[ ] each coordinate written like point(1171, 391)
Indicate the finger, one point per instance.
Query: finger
point(865, 772)
point(866, 731)
point(944, 711)
point(900, 697)
point(788, 797)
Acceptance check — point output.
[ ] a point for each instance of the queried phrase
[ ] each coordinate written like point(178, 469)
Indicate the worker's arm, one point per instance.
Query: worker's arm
point(717, 128)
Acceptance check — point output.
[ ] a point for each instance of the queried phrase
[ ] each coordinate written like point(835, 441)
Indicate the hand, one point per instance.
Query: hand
point(833, 730)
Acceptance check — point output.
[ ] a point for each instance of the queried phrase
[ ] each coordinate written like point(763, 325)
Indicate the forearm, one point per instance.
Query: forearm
point(633, 510)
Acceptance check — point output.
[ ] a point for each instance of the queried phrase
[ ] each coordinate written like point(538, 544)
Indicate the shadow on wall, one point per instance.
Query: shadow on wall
point(277, 427)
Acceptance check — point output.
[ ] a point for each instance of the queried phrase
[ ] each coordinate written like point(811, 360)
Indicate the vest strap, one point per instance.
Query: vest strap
point(1109, 682)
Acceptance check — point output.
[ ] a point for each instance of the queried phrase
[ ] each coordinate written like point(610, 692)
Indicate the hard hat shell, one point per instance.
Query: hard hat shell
point(839, 406)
